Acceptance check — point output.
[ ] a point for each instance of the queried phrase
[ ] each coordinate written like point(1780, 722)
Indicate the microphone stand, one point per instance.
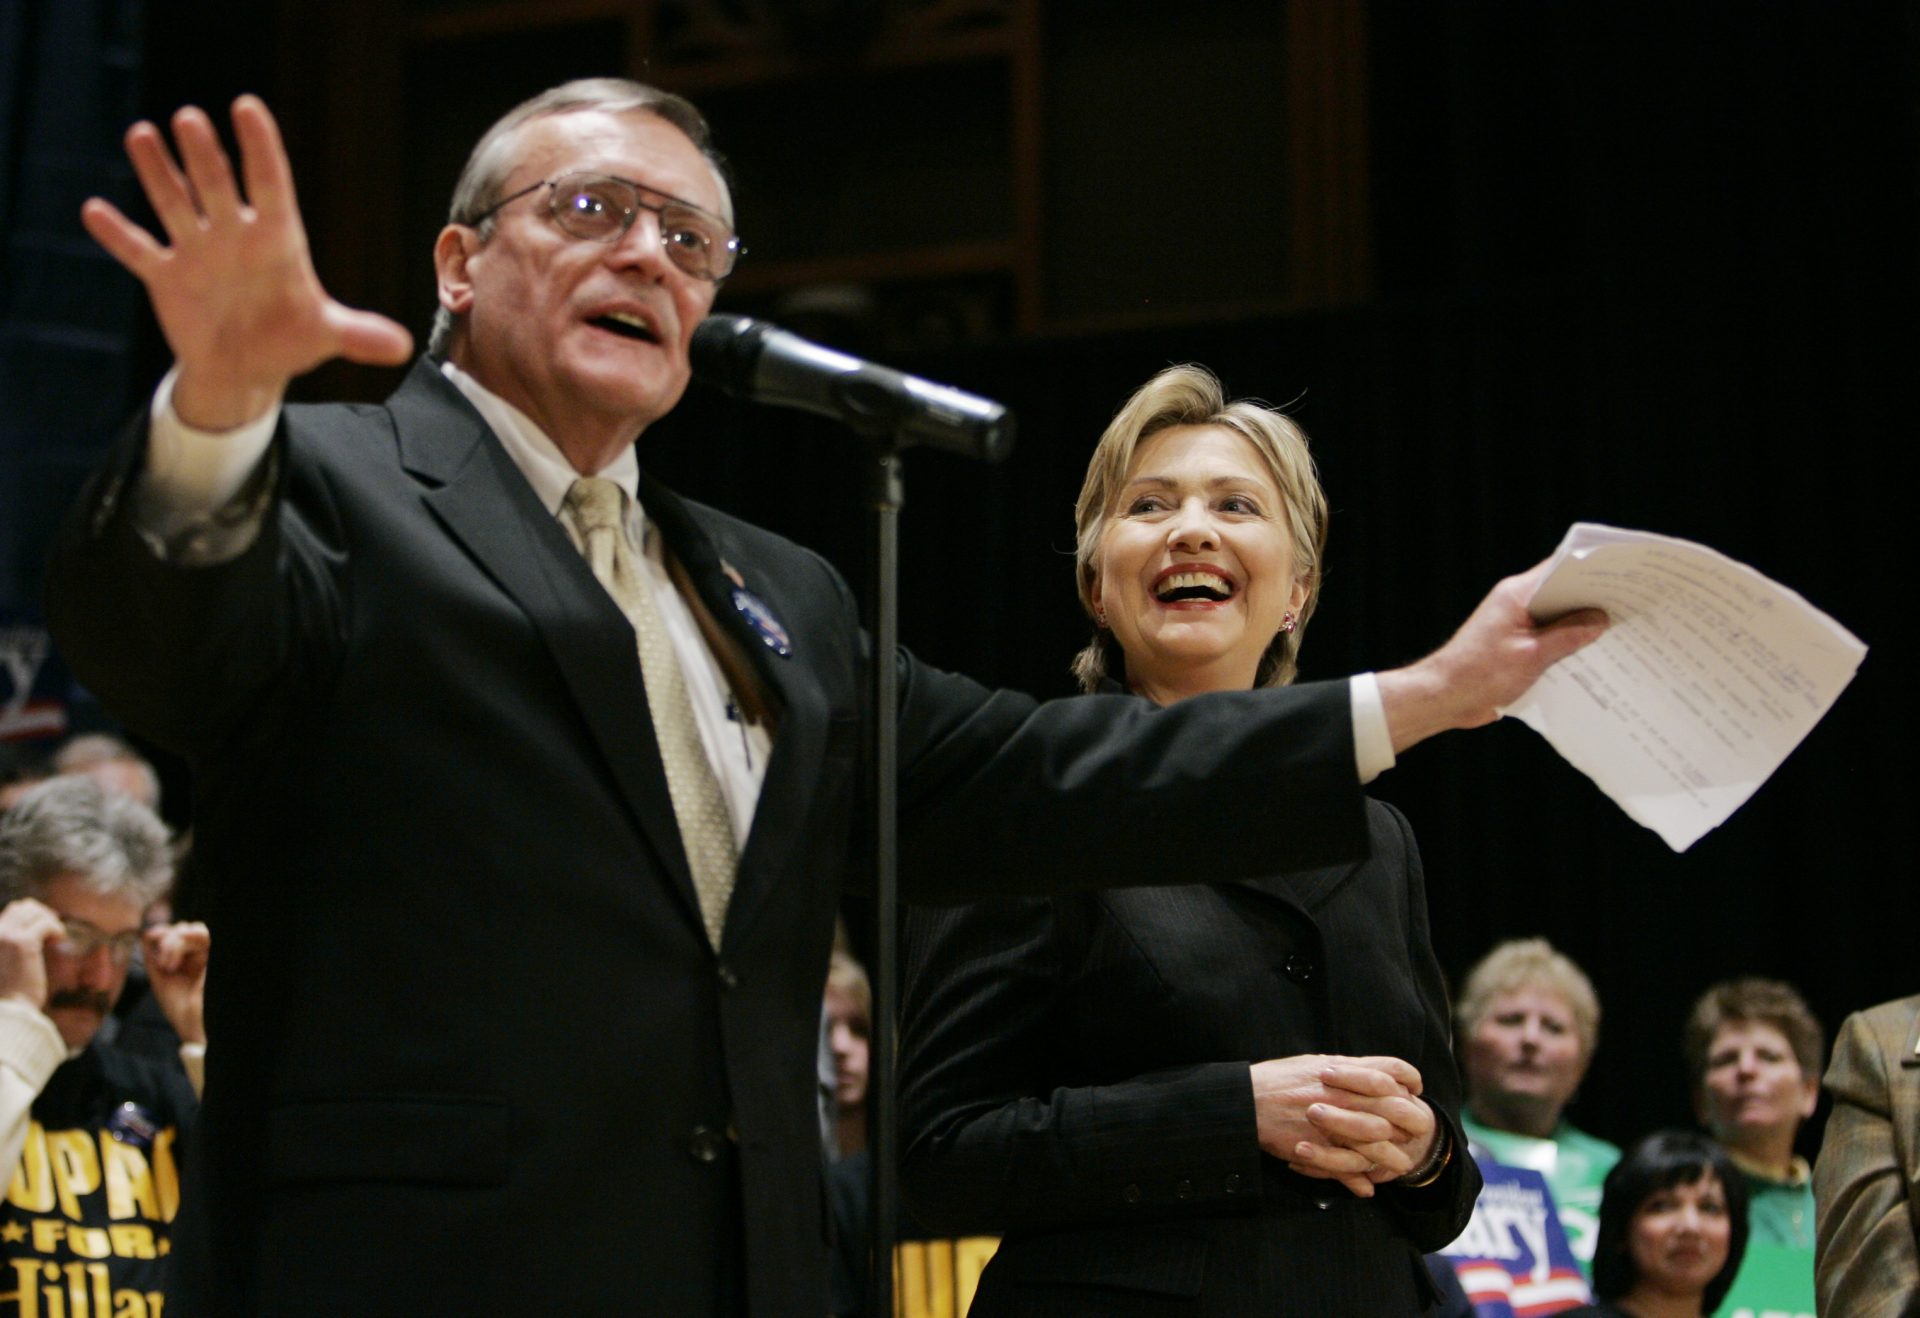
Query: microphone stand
point(760, 362)
point(886, 436)
point(885, 425)
point(886, 491)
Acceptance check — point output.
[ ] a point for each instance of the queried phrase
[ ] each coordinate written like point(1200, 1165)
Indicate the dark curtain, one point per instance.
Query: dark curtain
point(68, 86)
point(1648, 265)
point(1651, 268)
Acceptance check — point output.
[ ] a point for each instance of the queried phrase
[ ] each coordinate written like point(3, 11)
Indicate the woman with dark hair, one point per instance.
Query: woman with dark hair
point(1673, 1228)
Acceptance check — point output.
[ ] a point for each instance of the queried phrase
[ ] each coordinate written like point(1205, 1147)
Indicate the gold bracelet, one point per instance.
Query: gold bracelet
point(1428, 1174)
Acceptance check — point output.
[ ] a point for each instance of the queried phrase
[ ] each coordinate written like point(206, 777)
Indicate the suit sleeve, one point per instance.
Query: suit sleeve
point(1434, 1214)
point(985, 1152)
point(1866, 1263)
point(184, 653)
point(1093, 790)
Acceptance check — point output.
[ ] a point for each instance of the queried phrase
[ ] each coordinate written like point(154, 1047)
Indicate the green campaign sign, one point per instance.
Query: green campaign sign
point(1775, 1281)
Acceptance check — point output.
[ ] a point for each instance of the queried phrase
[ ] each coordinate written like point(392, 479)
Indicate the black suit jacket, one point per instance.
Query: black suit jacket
point(1075, 1077)
point(472, 1051)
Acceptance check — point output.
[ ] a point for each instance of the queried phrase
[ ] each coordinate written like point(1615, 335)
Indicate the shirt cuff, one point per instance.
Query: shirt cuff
point(193, 1059)
point(30, 1043)
point(191, 475)
point(1372, 743)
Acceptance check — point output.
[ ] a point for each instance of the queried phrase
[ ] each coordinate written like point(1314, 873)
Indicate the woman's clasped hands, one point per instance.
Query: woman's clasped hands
point(1356, 1120)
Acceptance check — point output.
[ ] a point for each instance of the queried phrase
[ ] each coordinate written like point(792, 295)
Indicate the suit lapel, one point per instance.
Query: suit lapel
point(786, 796)
point(479, 496)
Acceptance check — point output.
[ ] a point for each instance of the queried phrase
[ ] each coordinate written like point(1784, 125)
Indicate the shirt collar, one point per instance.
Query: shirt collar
point(1799, 1171)
point(533, 452)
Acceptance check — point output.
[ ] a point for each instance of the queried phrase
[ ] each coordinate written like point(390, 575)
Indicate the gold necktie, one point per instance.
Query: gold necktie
point(595, 507)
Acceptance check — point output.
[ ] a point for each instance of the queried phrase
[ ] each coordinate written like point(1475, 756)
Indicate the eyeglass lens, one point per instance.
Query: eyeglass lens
point(82, 940)
point(601, 209)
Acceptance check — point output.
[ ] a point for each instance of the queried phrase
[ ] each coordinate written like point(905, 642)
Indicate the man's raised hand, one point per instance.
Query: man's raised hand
point(177, 973)
point(233, 287)
point(27, 929)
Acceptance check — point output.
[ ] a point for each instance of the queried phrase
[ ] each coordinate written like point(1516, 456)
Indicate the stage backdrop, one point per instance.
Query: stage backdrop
point(1647, 268)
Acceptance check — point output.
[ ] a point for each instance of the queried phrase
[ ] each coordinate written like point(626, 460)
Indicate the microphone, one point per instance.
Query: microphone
point(763, 363)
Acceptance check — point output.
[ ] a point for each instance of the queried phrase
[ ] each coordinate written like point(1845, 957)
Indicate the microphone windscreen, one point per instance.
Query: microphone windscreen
point(725, 351)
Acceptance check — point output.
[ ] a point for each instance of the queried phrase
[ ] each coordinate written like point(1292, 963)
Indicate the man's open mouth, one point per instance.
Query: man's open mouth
point(1183, 586)
point(626, 326)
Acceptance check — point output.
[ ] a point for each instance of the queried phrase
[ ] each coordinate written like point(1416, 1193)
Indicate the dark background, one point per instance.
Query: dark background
point(1514, 265)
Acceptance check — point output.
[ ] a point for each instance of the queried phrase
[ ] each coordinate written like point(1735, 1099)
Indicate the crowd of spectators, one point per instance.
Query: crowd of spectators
point(1683, 1220)
point(99, 995)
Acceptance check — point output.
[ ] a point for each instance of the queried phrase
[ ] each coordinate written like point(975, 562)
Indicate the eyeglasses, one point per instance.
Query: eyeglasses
point(601, 208)
point(83, 940)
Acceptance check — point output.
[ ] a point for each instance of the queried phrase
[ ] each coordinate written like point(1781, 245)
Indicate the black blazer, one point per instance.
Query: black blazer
point(472, 1051)
point(1075, 1077)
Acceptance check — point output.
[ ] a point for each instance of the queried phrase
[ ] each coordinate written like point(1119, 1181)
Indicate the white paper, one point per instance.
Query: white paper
point(1710, 674)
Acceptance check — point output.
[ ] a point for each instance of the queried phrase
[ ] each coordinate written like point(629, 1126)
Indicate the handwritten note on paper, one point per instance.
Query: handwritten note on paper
point(1709, 676)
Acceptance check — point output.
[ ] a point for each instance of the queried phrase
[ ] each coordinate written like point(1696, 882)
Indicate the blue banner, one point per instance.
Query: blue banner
point(1513, 1260)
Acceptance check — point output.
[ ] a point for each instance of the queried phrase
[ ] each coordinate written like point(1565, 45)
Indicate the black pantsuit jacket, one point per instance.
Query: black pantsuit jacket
point(1075, 1078)
point(472, 1051)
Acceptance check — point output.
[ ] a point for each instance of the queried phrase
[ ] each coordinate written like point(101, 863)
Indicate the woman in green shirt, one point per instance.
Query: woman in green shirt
point(1529, 1021)
point(1754, 1052)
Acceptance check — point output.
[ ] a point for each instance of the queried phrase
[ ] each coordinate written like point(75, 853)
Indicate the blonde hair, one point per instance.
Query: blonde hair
point(850, 977)
point(1191, 395)
point(1525, 963)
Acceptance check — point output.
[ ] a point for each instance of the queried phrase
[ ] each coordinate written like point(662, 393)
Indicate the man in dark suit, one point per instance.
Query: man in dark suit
point(522, 1017)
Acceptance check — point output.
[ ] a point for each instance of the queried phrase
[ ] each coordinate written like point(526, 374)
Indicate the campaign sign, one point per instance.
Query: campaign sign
point(32, 703)
point(1513, 1260)
point(1774, 1281)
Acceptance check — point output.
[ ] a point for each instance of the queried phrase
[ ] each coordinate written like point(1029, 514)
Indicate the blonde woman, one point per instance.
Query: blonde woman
point(1188, 1099)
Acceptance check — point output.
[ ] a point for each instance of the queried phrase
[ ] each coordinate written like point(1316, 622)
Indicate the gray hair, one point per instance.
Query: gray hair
point(480, 184)
point(72, 825)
